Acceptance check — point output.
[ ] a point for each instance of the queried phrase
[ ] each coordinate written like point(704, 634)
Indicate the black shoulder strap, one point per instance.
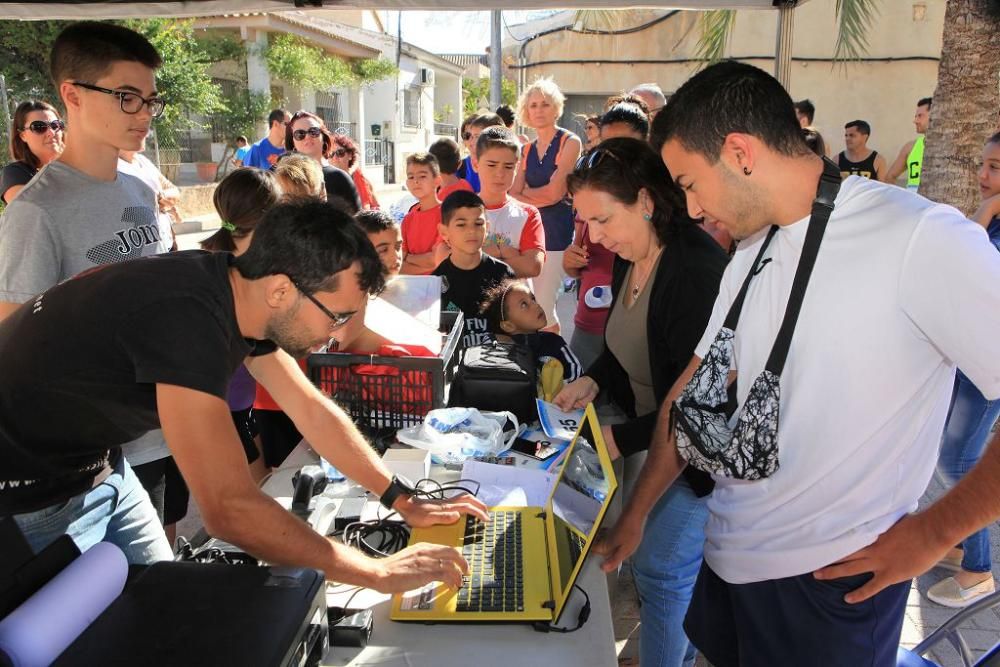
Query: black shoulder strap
point(829, 186)
point(733, 317)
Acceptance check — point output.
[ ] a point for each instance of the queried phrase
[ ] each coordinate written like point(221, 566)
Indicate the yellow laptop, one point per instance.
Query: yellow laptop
point(525, 561)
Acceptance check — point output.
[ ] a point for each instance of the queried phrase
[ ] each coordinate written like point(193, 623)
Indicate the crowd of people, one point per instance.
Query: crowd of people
point(726, 267)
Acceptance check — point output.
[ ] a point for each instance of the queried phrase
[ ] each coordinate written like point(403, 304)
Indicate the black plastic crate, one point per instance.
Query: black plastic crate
point(389, 393)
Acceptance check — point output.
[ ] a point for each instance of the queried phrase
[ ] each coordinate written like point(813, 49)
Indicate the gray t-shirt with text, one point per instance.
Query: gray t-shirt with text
point(64, 222)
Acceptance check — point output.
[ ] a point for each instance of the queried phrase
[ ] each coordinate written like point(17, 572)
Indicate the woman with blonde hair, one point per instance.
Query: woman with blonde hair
point(546, 163)
point(299, 175)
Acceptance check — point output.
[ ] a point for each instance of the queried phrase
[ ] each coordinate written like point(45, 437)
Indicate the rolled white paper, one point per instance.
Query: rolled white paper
point(34, 634)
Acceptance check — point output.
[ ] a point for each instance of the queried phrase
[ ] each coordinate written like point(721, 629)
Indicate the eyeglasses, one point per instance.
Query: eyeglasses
point(41, 127)
point(337, 320)
point(299, 135)
point(466, 136)
point(340, 152)
point(131, 103)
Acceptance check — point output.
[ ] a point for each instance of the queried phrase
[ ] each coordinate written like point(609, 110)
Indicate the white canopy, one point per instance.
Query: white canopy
point(80, 9)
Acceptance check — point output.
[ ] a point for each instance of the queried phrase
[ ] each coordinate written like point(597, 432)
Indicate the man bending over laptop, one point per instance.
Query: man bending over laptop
point(98, 360)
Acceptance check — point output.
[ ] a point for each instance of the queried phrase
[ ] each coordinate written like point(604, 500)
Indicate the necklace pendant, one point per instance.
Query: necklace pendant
point(635, 292)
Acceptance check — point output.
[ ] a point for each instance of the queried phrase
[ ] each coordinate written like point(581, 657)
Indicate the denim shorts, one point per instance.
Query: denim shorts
point(117, 510)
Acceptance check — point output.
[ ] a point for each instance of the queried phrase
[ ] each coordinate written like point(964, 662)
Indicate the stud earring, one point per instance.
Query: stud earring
point(746, 172)
point(647, 217)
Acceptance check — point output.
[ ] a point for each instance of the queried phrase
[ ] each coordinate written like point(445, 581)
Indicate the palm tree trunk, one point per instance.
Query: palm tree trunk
point(964, 112)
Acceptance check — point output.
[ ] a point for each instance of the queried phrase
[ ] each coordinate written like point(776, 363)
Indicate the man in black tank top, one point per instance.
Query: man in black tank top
point(858, 159)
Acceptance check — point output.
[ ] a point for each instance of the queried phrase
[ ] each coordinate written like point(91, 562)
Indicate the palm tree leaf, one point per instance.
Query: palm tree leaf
point(716, 32)
point(599, 19)
point(854, 18)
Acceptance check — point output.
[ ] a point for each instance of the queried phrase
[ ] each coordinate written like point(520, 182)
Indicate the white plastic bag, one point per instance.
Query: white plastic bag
point(452, 435)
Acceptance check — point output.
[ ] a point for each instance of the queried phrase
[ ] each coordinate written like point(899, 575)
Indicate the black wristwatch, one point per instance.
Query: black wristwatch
point(399, 486)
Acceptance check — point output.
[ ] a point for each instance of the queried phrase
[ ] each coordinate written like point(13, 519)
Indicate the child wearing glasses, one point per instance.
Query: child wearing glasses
point(37, 139)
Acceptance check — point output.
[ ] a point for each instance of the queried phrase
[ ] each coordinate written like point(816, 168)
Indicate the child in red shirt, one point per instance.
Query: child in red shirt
point(423, 247)
point(449, 157)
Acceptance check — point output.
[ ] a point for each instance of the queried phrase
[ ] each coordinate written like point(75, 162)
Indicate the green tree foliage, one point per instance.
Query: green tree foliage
point(302, 65)
point(24, 58)
point(476, 94)
point(854, 18)
point(243, 109)
point(183, 80)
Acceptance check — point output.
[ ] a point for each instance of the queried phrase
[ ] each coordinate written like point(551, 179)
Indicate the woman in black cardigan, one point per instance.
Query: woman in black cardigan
point(664, 283)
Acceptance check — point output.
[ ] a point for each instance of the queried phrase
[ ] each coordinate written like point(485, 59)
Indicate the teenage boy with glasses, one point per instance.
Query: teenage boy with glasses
point(80, 212)
point(308, 270)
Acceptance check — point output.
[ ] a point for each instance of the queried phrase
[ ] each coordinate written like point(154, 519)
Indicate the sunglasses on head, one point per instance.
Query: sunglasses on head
point(41, 127)
point(299, 135)
point(594, 158)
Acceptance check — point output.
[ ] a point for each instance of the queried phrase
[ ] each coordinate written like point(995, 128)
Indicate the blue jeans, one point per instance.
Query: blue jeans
point(966, 434)
point(665, 567)
point(118, 511)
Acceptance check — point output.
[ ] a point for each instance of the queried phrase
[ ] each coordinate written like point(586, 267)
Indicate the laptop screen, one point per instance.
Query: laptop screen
point(579, 498)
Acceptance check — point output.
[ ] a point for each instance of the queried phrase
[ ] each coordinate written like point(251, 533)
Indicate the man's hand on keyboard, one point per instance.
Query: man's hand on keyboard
point(420, 564)
point(421, 513)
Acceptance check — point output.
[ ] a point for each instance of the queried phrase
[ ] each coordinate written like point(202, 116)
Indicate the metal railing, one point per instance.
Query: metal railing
point(375, 151)
point(346, 127)
point(446, 130)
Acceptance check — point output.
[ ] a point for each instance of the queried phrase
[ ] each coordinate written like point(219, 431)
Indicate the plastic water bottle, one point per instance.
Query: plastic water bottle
point(332, 474)
point(598, 296)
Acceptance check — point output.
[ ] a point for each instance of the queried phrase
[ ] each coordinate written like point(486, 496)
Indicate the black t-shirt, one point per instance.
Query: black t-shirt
point(80, 365)
point(340, 184)
point(14, 174)
point(465, 290)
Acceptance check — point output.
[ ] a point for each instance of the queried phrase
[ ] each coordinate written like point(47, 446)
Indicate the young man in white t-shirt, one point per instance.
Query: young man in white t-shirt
point(816, 558)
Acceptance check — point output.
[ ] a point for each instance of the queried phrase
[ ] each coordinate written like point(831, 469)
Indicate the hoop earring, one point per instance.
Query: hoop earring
point(746, 172)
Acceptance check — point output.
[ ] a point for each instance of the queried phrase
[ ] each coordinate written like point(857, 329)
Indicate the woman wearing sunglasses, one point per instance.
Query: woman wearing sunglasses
point(37, 139)
point(664, 283)
point(345, 156)
point(307, 134)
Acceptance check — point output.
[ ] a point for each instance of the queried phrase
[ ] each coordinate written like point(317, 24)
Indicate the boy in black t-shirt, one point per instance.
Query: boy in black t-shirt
point(468, 273)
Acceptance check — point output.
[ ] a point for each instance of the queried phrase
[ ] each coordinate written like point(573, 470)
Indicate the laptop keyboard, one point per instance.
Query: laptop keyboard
point(494, 552)
point(575, 544)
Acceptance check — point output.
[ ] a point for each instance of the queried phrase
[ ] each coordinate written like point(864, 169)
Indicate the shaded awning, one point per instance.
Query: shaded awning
point(81, 9)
